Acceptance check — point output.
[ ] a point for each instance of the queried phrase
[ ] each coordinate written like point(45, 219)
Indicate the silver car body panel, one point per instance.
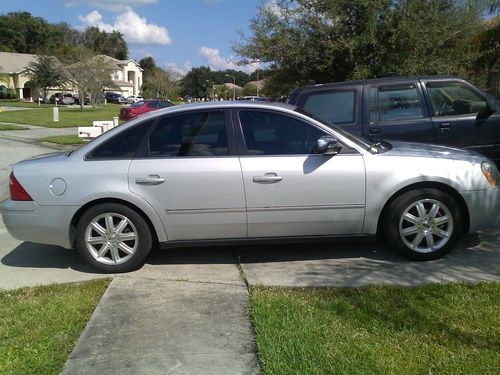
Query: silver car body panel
point(217, 197)
point(201, 198)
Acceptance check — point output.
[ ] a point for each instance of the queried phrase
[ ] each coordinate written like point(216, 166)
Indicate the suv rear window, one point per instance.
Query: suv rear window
point(336, 106)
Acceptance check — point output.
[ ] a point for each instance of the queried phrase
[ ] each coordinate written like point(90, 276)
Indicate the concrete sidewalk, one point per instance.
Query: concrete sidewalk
point(147, 323)
point(354, 264)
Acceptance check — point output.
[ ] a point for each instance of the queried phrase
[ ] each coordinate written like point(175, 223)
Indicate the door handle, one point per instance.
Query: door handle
point(268, 178)
point(374, 131)
point(151, 180)
point(444, 126)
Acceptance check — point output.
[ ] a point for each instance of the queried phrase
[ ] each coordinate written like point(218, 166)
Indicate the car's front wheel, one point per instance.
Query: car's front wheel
point(113, 238)
point(423, 224)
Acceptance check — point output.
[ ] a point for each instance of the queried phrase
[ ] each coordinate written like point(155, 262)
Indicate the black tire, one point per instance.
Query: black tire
point(139, 246)
point(398, 227)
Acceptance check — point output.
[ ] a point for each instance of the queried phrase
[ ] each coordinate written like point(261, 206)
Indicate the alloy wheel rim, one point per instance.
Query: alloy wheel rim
point(426, 226)
point(111, 238)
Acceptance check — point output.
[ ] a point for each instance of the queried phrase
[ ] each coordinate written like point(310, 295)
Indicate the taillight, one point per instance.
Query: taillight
point(17, 192)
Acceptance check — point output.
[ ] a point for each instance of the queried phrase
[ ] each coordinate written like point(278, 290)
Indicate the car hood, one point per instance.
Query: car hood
point(431, 151)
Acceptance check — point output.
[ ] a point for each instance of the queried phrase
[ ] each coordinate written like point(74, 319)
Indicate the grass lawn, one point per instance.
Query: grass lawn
point(39, 326)
point(434, 329)
point(64, 139)
point(68, 117)
point(12, 127)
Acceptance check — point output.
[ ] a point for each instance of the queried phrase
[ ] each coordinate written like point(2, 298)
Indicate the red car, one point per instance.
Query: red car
point(143, 106)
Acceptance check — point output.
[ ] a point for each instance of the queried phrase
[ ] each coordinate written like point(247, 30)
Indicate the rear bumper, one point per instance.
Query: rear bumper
point(30, 222)
point(484, 208)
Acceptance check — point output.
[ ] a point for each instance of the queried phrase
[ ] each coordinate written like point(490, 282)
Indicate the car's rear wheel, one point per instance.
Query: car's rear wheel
point(423, 224)
point(113, 238)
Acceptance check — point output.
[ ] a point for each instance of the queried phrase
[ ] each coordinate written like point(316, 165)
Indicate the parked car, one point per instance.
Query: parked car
point(437, 109)
point(141, 107)
point(86, 100)
point(114, 97)
point(236, 172)
point(134, 99)
point(61, 98)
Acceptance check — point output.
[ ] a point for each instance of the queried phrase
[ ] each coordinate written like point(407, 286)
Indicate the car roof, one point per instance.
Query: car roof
point(389, 79)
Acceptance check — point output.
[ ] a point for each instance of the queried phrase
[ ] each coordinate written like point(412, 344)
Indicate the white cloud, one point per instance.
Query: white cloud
point(111, 5)
point(186, 67)
point(135, 28)
point(218, 62)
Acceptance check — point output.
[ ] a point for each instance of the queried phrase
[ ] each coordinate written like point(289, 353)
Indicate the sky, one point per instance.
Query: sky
point(178, 34)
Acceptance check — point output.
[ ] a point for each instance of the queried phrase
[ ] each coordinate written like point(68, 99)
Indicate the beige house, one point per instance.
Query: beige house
point(13, 68)
point(127, 75)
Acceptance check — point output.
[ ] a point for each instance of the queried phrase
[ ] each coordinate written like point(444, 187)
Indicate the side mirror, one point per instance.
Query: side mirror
point(492, 105)
point(489, 109)
point(328, 145)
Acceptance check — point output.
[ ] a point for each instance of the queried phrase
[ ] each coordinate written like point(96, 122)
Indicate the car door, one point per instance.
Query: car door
point(290, 191)
point(396, 111)
point(460, 117)
point(188, 171)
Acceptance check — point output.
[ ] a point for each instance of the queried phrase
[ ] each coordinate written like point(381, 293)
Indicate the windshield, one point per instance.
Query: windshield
point(360, 141)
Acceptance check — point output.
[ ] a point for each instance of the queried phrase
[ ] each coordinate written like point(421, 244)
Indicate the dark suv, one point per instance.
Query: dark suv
point(437, 109)
point(114, 97)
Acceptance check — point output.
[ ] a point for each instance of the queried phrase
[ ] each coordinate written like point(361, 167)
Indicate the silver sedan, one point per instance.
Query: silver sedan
point(224, 173)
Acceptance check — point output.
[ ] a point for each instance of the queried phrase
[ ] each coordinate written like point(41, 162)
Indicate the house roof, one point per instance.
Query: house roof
point(118, 64)
point(15, 62)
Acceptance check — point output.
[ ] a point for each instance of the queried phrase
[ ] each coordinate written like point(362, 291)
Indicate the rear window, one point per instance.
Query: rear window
point(137, 104)
point(123, 145)
point(336, 106)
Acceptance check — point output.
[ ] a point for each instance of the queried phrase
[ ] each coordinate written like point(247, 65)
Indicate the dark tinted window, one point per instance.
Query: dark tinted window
point(452, 98)
point(194, 134)
point(122, 145)
point(336, 107)
point(268, 133)
point(137, 104)
point(395, 103)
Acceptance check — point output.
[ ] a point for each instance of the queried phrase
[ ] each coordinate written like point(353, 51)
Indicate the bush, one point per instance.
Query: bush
point(8, 93)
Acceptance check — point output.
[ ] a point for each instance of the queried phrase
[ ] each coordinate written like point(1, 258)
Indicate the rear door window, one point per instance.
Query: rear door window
point(395, 103)
point(337, 107)
point(192, 134)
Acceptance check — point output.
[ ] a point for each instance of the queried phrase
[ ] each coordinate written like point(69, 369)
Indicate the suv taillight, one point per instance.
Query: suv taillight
point(17, 192)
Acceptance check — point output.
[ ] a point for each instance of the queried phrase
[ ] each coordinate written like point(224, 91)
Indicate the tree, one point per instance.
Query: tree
point(89, 75)
point(110, 44)
point(196, 82)
point(336, 40)
point(47, 72)
point(21, 32)
point(158, 84)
